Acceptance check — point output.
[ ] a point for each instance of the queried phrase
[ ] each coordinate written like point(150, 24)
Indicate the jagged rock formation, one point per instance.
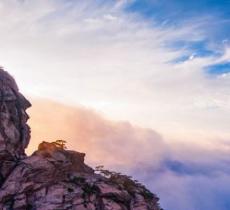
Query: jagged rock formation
point(14, 132)
point(54, 178)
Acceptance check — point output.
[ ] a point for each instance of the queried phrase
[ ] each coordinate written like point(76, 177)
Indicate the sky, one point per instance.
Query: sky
point(151, 75)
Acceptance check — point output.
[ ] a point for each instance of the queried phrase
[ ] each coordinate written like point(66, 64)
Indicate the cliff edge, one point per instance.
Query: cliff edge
point(54, 178)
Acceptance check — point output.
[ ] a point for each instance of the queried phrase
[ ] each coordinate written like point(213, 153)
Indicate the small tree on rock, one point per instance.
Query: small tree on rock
point(60, 143)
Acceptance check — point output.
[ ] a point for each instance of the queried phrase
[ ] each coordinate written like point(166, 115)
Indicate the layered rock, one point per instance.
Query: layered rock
point(54, 178)
point(14, 132)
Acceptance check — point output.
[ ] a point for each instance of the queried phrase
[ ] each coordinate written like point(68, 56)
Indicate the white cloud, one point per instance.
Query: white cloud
point(140, 152)
point(118, 63)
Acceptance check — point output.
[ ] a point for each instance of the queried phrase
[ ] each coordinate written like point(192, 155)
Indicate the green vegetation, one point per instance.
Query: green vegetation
point(87, 188)
point(60, 143)
point(125, 182)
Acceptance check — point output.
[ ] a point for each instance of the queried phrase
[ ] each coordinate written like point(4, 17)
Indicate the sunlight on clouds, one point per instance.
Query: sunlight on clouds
point(106, 67)
point(115, 62)
point(122, 144)
point(162, 165)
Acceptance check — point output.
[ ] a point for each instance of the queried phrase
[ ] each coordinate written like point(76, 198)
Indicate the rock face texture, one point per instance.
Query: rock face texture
point(14, 132)
point(54, 178)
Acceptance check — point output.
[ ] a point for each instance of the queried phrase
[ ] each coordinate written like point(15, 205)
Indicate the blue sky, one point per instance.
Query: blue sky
point(213, 14)
point(160, 68)
point(178, 11)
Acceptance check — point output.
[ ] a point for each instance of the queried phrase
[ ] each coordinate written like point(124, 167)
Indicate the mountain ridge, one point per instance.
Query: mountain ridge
point(54, 178)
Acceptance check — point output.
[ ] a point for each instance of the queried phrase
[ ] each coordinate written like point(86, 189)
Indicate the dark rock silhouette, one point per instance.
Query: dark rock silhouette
point(54, 178)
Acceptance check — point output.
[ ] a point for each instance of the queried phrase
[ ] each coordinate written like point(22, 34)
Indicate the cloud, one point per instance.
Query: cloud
point(96, 54)
point(114, 144)
point(190, 177)
point(178, 192)
point(120, 64)
point(184, 175)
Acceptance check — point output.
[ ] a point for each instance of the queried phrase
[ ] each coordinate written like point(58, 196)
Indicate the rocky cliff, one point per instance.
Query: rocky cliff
point(54, 178)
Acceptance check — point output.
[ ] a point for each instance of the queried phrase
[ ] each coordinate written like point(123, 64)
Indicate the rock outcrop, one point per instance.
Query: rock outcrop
point(14, 132)
point(54, 178)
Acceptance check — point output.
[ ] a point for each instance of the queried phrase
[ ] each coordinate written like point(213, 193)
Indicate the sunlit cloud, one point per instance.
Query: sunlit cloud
point(105, 142)
point(184, 175)
point(111, 65)
point(118, 63)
